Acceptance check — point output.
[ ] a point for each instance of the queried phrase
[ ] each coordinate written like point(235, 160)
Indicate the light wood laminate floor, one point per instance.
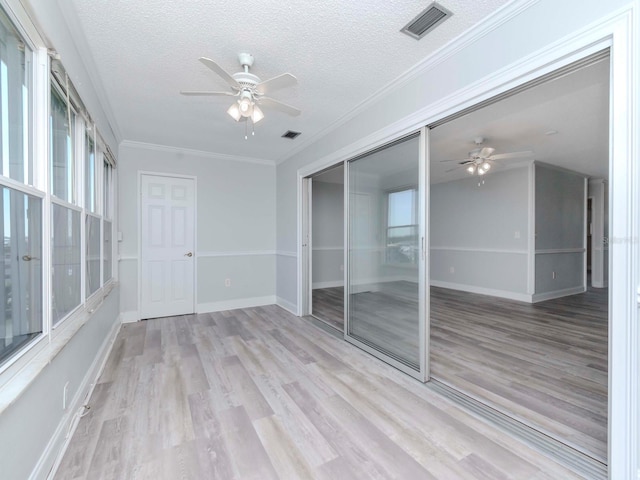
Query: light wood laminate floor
point(261, 394)
point(544, 364)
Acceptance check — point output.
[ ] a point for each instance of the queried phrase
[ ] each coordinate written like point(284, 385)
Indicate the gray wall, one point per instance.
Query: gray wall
point(235, 225)
point(560, 198)
point(419, 93)
point(328, 234)
point(479, 233)
point(598, 192)
point(28, 426)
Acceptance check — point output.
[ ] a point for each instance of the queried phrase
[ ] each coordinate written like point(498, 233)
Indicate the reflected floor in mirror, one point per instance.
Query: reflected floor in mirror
point(544, 364)
point(387, 315)
point(328, 305)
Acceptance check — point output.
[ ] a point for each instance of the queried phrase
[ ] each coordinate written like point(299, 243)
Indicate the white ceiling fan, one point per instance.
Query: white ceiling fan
point(481, 158)
point(249, 90)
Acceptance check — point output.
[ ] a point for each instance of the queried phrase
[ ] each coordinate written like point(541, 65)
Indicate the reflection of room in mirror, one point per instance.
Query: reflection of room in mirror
point(517, 322)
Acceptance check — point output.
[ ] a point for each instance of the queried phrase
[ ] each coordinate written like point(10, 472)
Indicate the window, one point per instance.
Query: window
point(107, 224)
point(78, 245)
point(107, 190)
point(93, 254)
point(107, 249)
point(65, 261)
point(402, 227)
point(61, 130)
point(90, 194)
point(21, 295)
point(15, 103)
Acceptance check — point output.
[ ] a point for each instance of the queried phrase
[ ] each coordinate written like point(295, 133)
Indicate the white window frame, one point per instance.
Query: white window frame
point(77, 149)
point(38, 138)
point(16, 371)
point(76, 208)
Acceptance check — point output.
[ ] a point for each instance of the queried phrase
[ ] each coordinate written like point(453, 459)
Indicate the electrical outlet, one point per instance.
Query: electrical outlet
point(65, 391)
point(553, 275)
point(452, 270)
point(342, 268)
point(227, 282)
point(516, 234)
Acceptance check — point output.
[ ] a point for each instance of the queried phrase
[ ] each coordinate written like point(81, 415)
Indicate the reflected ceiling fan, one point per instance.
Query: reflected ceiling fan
point(481, 158)
point(249, 90)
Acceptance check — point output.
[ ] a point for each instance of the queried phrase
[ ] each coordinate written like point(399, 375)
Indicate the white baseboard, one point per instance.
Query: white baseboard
point(331, 284)
point(236, 303)
point(541, 297)
point(130, 316)
point(597, 284)
point(521, 297)
point(52, 456)
point(287, 305)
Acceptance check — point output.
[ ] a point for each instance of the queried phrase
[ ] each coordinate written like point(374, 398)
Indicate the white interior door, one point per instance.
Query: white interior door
point(167, 240)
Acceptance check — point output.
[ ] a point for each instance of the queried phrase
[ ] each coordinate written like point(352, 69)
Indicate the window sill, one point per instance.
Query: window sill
point(27, 367)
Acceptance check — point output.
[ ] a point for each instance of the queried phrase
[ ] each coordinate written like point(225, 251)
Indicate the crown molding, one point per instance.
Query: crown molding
point(462, 41)
point(195, 153)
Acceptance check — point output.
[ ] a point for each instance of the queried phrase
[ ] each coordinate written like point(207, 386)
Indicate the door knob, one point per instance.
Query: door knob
point(28, 258)
point(188, 254)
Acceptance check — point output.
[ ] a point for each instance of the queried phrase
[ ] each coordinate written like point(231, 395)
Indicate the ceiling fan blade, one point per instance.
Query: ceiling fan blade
point(207, 94)
point(504, 156)
point(451, 160)
point(451, 169)
point(276, 83)
point(486, 152)
point(222, 73)
point(277, 105)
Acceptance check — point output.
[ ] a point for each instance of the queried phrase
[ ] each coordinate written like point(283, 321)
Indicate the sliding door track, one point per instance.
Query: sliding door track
point(571, 458)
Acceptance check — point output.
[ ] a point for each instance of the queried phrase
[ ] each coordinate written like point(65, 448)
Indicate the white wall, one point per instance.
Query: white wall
point(479, 234)
point(235, 225)
point(327, 234)
point(560, 206)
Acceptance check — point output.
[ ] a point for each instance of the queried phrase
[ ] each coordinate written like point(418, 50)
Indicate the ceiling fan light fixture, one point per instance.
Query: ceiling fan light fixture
point(486, 166)
point(245, 103)
point(244, 106)
point(234, 111)
point(256, 114)
point(471, 169)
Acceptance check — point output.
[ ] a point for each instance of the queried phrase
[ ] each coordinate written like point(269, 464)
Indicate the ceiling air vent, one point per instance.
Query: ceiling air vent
point(426, 21)
point(290, 134)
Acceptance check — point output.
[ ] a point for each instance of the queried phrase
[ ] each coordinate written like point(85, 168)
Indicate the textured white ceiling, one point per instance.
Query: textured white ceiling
point(146, 51)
